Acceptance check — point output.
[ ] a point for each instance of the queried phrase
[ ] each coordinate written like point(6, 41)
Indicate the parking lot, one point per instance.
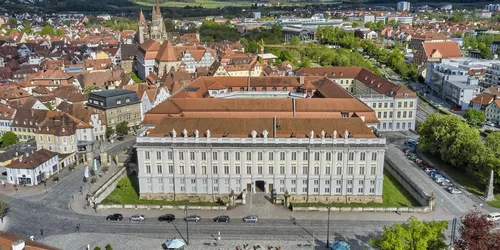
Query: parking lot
point(455, 204)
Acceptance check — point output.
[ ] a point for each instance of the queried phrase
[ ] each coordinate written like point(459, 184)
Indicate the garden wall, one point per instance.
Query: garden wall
point(160, 207)
point(103, 191)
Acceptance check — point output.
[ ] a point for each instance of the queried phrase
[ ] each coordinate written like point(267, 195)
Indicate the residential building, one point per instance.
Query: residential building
point(6, 117)
point(395, 105)
point(460, 93)
point(492, 7)
point(251, 134)
point(439, 72)
point(495, 46)
point(366, 34)
point(481, 101)
point(435, 51)
point(403, 6)
point(14, 242)
point(492, 75)
point(484, 14)
point(32, 169)
point(26, 122)
point(119, 105)
point(417, 40)
point(493, 112)
point(197, 57)
point(129, 51)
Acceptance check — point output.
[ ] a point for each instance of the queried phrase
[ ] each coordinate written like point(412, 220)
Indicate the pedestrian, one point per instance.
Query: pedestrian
point(3, 183)
point(78, 227)
point(73, 196)
point(41, 231)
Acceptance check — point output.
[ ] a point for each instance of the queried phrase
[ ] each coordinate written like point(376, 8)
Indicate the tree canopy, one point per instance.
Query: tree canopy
point(474, 116)
point(9, 138)
point(211, 31)
point(122, 128)
point(412, 235)
point(476, 232)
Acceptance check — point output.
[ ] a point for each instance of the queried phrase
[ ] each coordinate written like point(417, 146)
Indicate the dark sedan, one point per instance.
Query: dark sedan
point(167, 218)
point(222, 218)
point(115, 217)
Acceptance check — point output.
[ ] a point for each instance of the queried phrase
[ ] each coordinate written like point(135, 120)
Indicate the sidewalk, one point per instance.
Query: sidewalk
point(22, 190)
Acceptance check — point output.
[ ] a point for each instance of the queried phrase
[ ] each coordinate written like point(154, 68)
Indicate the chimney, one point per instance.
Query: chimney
point(18, 245)
point(293, 105)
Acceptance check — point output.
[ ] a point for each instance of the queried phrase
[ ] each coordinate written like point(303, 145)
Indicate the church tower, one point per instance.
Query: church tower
point(152, 30)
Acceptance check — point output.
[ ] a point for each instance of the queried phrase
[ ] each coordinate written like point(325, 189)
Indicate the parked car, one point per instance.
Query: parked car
point(251, 218)
point(115, 217)
point(440, 179)
point(454, 190)
point(120, 138)
point(437, 177)
point(167, 218)
point(137, 217)
point(446, 183)
point(222, 218)
point(489, 123)
point(429, 170)
point(493, 217)
point(194, 218)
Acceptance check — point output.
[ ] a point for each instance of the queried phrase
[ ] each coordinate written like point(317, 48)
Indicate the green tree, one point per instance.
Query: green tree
point(97, 248)
point(413, 235)
point(89, 89)
point(4, 208)
point(108, 247)
point(109, 132)
point(66, 22)
point(12, 22)
point(9, 138)
point(27, 27)
point(47, 30)
point(59, 32)
point(122, 128)
point(295, 40)
point(134, 77)
point(355, 24)
point(493, 143)
point(474, 116)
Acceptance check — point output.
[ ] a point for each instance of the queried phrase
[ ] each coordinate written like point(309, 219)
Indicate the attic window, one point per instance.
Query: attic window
point(333, 74)
point(264, 89)
point(345, 114)
point(275, 89)
point(80, 124)
point(371, 81)
point(31, 123)
point(366, 78)
point(284, 89)
point(341, 74)
point(230, 89)
point(127, 100)
point(47, 129)
point(242, 89)
point(406, 94)
point(24, 122)
point(63, 130)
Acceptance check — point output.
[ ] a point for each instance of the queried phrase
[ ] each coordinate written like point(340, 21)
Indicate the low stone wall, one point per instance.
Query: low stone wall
point(364, 209)
point(335, 198)
point(161, 207)
point(181, 197)
point(103, 191)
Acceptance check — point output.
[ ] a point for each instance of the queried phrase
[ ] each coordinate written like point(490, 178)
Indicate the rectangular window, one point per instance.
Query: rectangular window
point(249, 169)
point(271, 170)
point(294, 169)
point(411, 104)
point(216, 189)
point(305, 156)
point(350, 170)
point(328, 156)
point(249, 156)
point(399, 114)
point(385, 105)
point(215, 169)
point(327, 190)
point(271, 156)
point(361, 182)
point(405, 104)
point(327, 182)
point(351, 156)
point(316, 190)
point(238, 170)
point(372, 190)
point(316, 156)
point(362, 156)
point(374, 156)
point(170, 169)
point(339, 156)
point(410, 114)
point(379, 105)
point(304, 170)
point(181, 156)
point(282, 156)
point(361, 170)
point(226, 156)
point(339, 182)
point(203, 156)
point(338, 190)
point(385, 115)
point(360, 190)
point(372, 182)
point(148, 169)
point(158, 155)
point(282, 169)
point(169, 155)
point(294, 156)
point(159, 168)
point(181, 169)
point(379, 114)
point(226, 169)
point(259, 169)
point(404, 114)
point(390, 114)
point(214, 156)
point(259, 156)
point(237, 156)
point(339, 170)
point(304, 182)
point(146, 155)
point(349, 190)
point(193, 181)
point(373, 170)
point(328, 170)
point(316, 170)
point(193, 169)
point(399, 104)
point(203, 169)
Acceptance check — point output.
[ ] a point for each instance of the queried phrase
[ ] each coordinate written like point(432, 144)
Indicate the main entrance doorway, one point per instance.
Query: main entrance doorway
point(260, 186)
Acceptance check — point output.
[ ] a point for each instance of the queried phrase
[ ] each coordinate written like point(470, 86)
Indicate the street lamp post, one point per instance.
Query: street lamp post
point(187, 226)
point(328, 229)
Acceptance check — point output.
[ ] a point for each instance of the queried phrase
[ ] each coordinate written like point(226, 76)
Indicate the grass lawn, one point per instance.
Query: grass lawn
point(393, 193)
point(211, 4)
point(127, 193)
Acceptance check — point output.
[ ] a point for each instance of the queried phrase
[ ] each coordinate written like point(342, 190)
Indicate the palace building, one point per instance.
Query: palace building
point(303, 135)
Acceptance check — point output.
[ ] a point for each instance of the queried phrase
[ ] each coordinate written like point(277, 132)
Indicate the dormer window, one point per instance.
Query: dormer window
point(127, 100)
point(333, 74)
point(230, 89)
point(341, 74)
point(254, 89)
point(345, 115)
point(284, 89)
point(275, 89)
point(31, 123)
point(118, 102)
point(264, 89)
point(24, 122)
point(63, 130)
point(242, 89)
point(47, 129)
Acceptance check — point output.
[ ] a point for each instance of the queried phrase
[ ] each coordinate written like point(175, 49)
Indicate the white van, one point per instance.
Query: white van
point(493, 217)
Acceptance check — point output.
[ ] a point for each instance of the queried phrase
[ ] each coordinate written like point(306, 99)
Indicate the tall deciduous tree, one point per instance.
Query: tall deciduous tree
point(4, 207)
point(475, 116)
point(412, 235)
point(476, 233)
point(493, 143)
point(122, 128)
point(9, 138)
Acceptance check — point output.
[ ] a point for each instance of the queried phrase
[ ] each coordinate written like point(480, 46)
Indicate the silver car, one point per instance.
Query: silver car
point(453, 190)
point(251, 218)
point(194, 218)
point(137, 217)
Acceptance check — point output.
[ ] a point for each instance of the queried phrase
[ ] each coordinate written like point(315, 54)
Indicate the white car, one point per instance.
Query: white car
point(454, 190)
point(493, 217)
point(137, 217)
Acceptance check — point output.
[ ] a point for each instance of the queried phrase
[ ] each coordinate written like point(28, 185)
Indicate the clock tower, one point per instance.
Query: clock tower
point(152, 30)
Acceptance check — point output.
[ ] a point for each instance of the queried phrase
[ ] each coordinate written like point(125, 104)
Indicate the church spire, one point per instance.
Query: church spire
point(142, 19)
point(158, 12)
